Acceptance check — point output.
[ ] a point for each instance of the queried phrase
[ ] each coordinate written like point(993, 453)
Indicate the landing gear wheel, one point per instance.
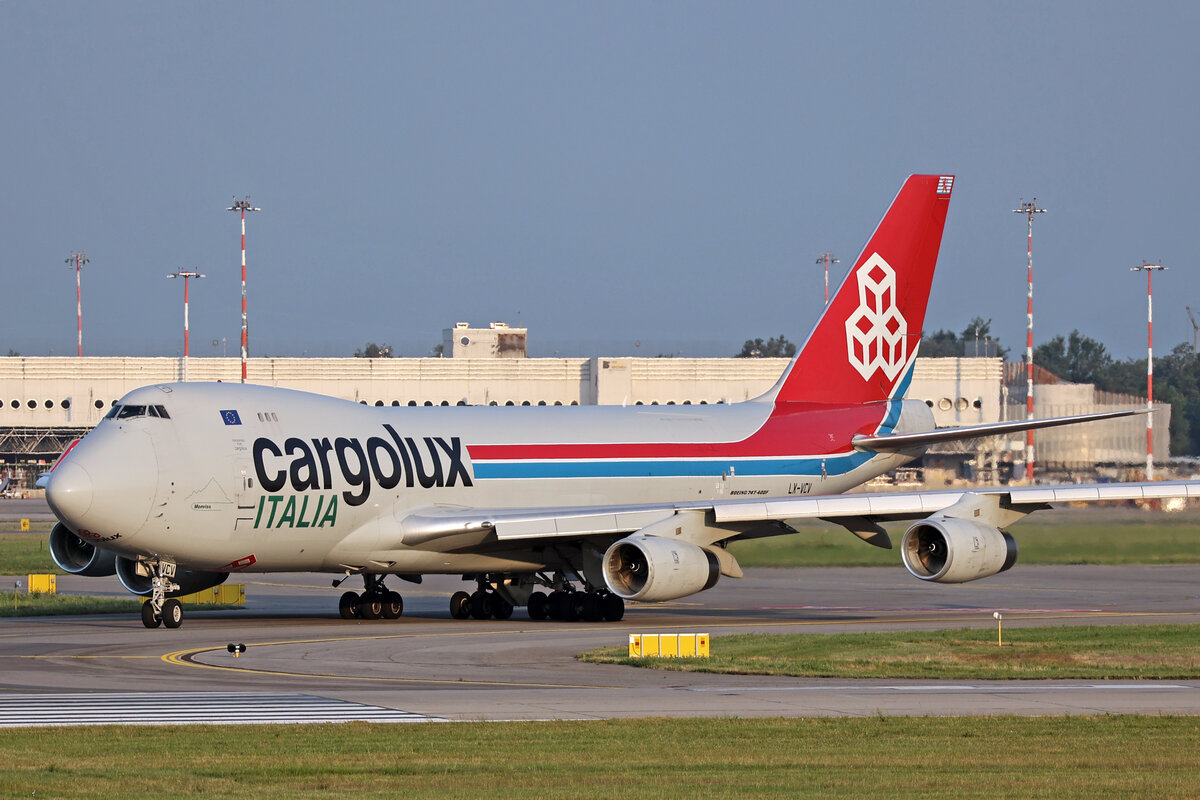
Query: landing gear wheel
point(590, 608)
point(575, 606)
point(538, 606)
point(393, 605)
point(370, 606)
point(172, 613)
point(149, 618)
point(501, 608)
point(348, 605)
point(460, 605)
point(481, 605)
point(613, 606)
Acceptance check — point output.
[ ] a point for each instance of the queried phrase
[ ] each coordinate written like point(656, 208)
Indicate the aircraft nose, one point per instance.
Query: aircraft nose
point(69, 491)
point(106, 484)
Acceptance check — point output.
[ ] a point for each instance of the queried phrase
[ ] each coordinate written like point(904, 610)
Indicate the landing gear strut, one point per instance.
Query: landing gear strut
point(159, 610)
point(376, 601)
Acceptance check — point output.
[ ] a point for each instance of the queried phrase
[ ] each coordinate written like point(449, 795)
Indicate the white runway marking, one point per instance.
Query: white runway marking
point(188, 708)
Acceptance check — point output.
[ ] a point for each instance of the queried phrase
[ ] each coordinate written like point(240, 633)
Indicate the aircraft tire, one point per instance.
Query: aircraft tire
point(460, 605)
point(590, 607)
point(370, 606)
point(348, 605)
point(149, 618)
point(481, 605)
point(613, 606)
point(538, 606)
point(557, 605)
point(172, 613)
point(575, 606)
point(501, 608)
point(393, 605)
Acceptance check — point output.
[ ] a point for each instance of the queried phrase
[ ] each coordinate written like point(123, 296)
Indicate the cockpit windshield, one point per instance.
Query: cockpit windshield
point(129, 411)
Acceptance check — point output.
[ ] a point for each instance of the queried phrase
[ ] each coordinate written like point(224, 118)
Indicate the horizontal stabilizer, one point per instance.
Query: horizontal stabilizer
point(905, 441)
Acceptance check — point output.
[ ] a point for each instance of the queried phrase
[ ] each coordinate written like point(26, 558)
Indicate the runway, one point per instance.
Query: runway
point(427, 666)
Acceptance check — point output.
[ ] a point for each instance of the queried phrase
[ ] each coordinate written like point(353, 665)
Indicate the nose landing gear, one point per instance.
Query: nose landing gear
point(158, 609)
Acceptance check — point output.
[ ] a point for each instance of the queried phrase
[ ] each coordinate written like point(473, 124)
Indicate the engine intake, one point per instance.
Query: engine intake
point(951, 550)
point(651, 568)
point(189, 580)
point(78, 556)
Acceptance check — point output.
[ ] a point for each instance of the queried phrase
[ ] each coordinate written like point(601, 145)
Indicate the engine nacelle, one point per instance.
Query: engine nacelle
point(189, 580)
point(78, 556)
point(651, 568)
point(950, 550)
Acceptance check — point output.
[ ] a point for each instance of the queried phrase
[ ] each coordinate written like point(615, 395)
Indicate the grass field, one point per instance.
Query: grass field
point(44, 605)
point(1128, 652)
point(1068, 536)
point(25, 553)
point(1054, 757)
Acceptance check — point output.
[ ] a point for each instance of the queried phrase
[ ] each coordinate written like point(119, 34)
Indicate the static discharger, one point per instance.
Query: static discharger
point(668, 645)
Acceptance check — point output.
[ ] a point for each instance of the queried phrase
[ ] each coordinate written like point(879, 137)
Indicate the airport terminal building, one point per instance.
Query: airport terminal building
point(46, 402)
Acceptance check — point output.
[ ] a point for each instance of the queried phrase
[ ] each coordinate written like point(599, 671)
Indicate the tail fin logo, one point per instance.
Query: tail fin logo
point(877, 333)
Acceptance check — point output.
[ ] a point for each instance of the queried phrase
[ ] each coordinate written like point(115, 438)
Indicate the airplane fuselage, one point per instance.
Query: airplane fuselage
point(248, 478)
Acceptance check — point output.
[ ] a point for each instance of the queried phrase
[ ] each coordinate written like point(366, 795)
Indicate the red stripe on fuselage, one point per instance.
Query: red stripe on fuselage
point(793, 429)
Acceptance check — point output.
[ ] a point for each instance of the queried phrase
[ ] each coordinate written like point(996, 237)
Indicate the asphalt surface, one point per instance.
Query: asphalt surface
point(303, 662)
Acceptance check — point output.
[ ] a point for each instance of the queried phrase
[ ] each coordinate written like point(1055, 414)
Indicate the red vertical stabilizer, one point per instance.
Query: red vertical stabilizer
point(863, 346)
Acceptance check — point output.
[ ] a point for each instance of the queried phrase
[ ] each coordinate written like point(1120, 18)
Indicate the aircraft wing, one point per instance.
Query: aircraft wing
point(858, 512)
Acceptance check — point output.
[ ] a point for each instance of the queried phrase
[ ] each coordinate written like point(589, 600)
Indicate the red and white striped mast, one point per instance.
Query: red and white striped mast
point(185, 274)
point(827, 259)
point(1149, 270)
point(243, 206)
point(78, 260)
point(1029, 209)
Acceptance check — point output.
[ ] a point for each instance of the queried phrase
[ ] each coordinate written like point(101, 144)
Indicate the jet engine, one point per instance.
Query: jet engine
point(79, 556)
point(951, 550)
point(189, 580)
point(651, 568)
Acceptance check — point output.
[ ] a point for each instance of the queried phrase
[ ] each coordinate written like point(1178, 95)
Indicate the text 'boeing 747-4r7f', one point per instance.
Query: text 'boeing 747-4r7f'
point(566, 511)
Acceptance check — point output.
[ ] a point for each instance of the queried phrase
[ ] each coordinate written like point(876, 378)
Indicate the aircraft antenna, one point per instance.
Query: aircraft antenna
point(243, 206)
point(1029, 209)
point(1149, 269)
point(78, 260)
point(827, 259)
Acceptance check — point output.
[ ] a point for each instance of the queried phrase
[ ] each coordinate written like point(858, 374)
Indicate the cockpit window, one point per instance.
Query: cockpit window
point(131, 411)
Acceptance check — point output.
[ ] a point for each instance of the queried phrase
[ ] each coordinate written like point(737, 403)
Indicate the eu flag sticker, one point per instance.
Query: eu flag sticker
point(231, 417)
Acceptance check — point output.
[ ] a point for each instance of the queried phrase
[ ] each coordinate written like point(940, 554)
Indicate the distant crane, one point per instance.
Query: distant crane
point(1195, 329)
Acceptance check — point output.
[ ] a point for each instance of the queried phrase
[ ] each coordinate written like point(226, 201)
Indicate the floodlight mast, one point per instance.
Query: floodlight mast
point(1149, 269)
point(185, 274)
point(78, 260)
point(827, 259)
point(243, 206)
point(1029, 209)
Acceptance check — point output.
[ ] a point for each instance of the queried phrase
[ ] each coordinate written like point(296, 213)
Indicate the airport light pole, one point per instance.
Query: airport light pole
point(243, 206)
point(78, 260)
point(827, 259)
point(1149, 270)
point(1029, 209)
point(186, 274)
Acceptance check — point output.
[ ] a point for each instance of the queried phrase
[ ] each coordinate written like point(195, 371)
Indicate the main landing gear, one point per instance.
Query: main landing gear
point(376, 601)
point(495, 598)
point(158, 609)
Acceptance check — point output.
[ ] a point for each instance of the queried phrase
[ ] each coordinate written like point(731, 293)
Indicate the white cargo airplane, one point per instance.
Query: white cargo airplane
point(183, 484)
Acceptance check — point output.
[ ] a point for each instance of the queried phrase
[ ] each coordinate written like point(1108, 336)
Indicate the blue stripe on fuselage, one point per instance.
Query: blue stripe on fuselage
point(830, 465)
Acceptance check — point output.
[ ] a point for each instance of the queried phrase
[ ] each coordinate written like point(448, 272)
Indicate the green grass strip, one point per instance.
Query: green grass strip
point(994, 758)
point(42, 605)
point(1167, 652)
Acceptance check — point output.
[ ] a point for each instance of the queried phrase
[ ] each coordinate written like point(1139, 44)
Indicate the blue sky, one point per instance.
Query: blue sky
point(622, 178)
